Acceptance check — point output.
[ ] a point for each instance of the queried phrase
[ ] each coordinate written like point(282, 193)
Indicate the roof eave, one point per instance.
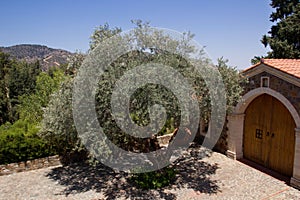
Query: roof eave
point(263, 67)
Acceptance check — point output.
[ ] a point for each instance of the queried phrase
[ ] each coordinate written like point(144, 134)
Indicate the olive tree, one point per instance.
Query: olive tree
point(58, 124)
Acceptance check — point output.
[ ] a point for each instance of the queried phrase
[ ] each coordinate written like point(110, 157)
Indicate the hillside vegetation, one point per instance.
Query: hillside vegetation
point(47, 57)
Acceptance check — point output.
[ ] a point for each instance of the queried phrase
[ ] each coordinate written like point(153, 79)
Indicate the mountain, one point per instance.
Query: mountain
point(48, 57)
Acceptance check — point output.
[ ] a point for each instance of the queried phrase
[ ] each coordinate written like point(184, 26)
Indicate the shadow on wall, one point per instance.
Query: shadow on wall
point(193, 173)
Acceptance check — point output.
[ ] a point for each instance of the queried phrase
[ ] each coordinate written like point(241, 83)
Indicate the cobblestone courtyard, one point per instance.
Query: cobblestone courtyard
point(213, 177)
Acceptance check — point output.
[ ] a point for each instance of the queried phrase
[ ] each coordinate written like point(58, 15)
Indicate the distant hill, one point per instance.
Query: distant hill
point(48, 57)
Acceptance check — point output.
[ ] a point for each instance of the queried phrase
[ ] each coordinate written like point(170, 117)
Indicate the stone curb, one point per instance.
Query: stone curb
point(29, 165)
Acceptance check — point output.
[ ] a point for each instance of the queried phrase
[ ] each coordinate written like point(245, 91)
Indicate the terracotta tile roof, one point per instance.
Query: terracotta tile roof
point(290, 66)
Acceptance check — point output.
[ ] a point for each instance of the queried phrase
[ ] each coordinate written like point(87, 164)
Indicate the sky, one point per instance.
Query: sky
point(226, 28)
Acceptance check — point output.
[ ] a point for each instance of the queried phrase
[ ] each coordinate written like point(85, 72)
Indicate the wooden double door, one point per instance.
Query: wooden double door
point(269, 134)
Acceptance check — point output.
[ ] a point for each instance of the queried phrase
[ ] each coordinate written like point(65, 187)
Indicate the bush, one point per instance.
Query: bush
point(19, 142)
point(155, 179)
point(57, 126)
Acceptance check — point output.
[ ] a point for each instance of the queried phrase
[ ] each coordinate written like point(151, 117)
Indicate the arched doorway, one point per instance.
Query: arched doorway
point(236, 122)
point(269, 134)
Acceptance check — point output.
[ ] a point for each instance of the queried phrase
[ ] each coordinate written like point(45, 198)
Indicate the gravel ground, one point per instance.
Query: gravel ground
point(213, 177)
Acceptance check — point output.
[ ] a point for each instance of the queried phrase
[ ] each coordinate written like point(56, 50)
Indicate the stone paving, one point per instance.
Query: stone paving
point(239, 181)
point(213, 177)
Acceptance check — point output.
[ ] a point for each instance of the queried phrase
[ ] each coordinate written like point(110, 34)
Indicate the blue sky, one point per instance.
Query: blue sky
point(228, 28)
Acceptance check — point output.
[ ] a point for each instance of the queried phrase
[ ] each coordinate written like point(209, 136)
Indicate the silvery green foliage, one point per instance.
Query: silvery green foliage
point(233, 81)
point(101, 33)
point(75, 62)
point(58, 125)
point(145, 41)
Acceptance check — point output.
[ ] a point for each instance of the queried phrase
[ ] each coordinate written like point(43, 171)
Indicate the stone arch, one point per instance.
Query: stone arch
point(250, 96)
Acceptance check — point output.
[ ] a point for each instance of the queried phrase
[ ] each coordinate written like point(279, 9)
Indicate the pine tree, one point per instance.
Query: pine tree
point(284, 36)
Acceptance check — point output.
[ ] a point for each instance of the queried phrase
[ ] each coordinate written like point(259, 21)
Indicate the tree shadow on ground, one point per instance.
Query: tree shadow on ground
point(193, 173)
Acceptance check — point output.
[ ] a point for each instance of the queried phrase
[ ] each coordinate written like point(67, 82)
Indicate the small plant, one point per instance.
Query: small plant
point(155, 179)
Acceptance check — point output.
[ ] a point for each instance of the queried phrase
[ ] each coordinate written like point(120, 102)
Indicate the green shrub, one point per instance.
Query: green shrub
point(155, 179)
point(19, 142)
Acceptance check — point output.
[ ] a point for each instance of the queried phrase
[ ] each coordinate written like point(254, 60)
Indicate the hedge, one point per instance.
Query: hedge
point(19, 142)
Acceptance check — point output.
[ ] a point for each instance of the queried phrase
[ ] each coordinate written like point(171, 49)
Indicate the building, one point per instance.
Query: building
point(265, 125)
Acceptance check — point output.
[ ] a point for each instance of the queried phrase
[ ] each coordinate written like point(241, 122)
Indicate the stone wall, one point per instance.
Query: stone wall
point(29, 165)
